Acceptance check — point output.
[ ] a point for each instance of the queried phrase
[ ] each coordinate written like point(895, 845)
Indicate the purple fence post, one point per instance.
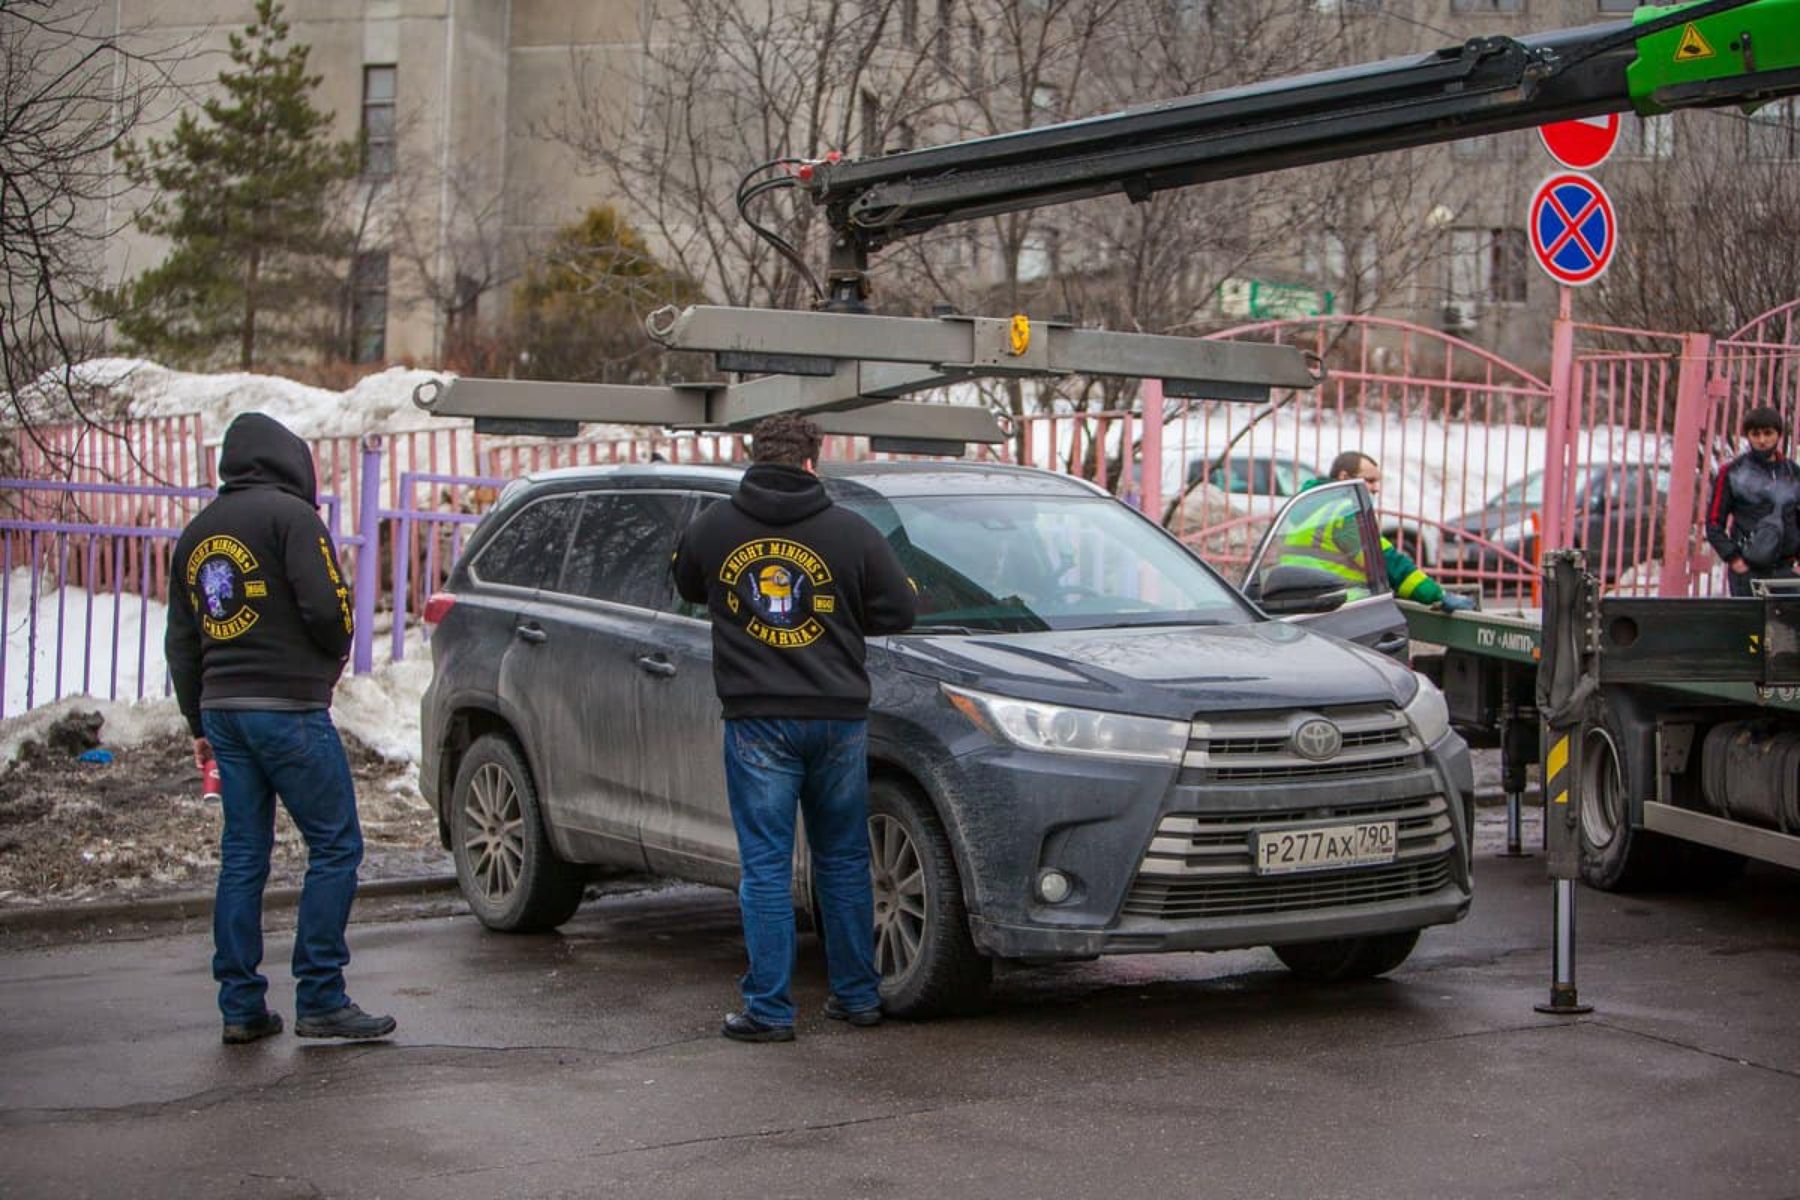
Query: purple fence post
point(402, 565)
point(368, 556)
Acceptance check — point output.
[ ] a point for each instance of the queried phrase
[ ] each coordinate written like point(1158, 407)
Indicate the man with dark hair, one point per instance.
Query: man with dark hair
point(793, 585)
point(1404, 575)
point(1753, 518)
point(259, 627)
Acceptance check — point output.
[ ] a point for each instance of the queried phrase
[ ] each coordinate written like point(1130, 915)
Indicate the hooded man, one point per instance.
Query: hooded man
point(794, 584)
point(1753, 518)
point(259, 628)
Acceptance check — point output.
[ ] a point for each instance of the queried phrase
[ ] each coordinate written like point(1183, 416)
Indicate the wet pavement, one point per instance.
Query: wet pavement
point(588, 1064)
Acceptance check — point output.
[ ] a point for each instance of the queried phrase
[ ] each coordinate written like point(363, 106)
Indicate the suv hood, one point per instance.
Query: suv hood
point(1172, 672)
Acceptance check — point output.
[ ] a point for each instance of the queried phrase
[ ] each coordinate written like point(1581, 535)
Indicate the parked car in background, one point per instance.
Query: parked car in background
point(1091, 743)
point(1618, 513)
point(1251, 474)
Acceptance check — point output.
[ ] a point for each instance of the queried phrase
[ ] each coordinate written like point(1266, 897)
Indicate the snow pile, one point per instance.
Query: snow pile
point(379, 403)
point(89, 628)
point(127, 724)
point(381, 709)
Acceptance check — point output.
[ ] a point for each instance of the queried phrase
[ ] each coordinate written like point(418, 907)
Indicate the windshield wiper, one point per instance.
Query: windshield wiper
point(967, 630)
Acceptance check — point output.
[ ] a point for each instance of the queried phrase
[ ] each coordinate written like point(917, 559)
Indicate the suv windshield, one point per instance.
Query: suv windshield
point(1015, 563)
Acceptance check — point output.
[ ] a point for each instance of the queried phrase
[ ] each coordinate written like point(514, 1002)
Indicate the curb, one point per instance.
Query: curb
point(188, 906)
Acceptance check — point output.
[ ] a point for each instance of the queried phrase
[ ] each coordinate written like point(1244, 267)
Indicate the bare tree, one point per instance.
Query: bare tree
point(1727, 192)
point(745, 92)
point(72, 90)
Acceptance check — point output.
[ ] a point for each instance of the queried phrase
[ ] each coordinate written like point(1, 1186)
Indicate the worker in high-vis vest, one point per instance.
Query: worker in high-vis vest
point(1331, 541)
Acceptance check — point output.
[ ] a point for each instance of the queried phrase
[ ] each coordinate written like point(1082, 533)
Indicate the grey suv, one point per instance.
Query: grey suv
point(1090, 743)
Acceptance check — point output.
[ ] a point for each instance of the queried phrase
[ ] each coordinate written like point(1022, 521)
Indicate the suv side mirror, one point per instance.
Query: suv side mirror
point(1290, 590)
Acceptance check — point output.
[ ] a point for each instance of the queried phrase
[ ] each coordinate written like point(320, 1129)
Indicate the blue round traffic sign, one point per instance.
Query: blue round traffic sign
point(1573, 229)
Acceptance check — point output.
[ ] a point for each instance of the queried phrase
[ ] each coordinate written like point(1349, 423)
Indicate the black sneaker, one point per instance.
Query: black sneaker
point(267, 1025)
point(742, 1027)
point(862, 1018)
point(349, 1022)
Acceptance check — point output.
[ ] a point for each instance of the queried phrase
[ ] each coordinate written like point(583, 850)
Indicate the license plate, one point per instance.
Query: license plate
point(1323, 847)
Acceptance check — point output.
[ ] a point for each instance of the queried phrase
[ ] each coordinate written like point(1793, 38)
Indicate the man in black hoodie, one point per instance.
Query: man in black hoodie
point(793, 585)
point(259, 627)
point(1753, 518)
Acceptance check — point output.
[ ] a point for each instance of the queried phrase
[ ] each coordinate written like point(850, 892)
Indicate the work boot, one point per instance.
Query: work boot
point(742, 1027)
point(237, 1034)
point(348, 1022)
point(862, 1018)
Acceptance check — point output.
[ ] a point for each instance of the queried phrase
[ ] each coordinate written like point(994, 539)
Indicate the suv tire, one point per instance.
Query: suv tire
point(512, 879)
point(928, 961)
point(1343, 959)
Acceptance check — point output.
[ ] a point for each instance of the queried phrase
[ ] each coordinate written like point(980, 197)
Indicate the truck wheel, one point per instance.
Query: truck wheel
point(511, 878)
point(1342, 959)
point(1615, 856)
point(928, 962)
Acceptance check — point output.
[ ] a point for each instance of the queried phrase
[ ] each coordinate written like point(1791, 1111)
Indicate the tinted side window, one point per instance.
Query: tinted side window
point(529, 551)
point(697, 611)
point(622, 548)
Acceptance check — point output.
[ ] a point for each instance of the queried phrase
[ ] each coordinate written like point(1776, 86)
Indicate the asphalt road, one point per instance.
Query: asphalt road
point(588, 1064)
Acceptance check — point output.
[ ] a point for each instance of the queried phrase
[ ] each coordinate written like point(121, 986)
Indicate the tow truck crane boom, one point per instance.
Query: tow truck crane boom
point(1712, 53)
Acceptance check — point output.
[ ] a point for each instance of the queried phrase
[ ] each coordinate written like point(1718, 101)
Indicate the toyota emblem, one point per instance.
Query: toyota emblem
point(1317, 739)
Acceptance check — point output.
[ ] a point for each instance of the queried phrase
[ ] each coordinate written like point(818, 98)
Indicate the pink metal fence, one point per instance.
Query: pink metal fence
point(1468, 421)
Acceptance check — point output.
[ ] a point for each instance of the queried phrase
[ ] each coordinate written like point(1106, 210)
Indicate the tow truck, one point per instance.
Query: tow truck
point(1661, 722)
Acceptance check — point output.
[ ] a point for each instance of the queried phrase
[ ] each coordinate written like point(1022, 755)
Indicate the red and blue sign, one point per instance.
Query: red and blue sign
point(1573, 228)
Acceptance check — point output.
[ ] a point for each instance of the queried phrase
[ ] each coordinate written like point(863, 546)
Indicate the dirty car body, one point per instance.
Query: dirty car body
point(1089, 744)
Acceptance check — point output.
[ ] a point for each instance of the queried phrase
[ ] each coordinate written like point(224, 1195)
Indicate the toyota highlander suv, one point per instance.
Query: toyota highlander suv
point(1090, 743)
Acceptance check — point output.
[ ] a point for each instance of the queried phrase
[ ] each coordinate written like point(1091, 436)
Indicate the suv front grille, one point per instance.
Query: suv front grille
point(1200, 865)
point(1377, 739)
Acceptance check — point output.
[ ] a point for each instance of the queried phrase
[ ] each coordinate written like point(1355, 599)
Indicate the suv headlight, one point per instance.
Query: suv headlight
point(1429, 715)
point(1036, 726)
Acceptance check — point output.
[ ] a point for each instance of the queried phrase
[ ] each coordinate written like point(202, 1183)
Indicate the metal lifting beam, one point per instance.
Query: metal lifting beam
point(858, 368)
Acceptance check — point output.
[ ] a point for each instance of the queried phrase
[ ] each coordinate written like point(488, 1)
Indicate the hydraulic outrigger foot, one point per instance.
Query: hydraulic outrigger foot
point(1564, 1001)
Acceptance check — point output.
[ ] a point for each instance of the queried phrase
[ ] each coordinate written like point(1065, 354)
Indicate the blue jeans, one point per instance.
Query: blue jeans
point(773, 767)
point(296, 755)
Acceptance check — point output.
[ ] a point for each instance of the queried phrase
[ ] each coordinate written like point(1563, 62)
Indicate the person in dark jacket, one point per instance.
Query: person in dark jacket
point(793, 585)
point(1753, 516)
point(259, 627)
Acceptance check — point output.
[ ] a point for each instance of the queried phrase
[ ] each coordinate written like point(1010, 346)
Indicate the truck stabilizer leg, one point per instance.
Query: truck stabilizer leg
point(1564, 1000)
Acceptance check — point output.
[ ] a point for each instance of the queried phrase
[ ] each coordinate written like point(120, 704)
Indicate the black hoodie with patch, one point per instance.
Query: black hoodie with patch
point(258, 609)
point(794, 584)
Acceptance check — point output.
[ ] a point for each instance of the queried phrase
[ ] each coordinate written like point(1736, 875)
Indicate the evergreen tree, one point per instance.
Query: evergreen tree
point(579, 311)
point(245, 199)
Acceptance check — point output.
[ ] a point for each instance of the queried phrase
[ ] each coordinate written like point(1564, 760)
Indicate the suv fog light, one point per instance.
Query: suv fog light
point(1053, 887)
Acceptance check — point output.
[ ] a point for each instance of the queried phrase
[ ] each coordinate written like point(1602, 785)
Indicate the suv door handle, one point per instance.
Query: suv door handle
point(1391, 643)
point(655, 664)
point(531, 633)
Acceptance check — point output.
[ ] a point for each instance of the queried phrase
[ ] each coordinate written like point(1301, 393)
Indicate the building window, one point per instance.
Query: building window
point(1775, 130)
point(378, 121)
point(368, 307)
point(1488, 266)
point(909, 22)
point(1487, 6)
point(1646, 137)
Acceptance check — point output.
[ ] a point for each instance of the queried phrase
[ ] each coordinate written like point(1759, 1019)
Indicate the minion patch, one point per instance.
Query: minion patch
point(219, 586)
point(776, 587)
